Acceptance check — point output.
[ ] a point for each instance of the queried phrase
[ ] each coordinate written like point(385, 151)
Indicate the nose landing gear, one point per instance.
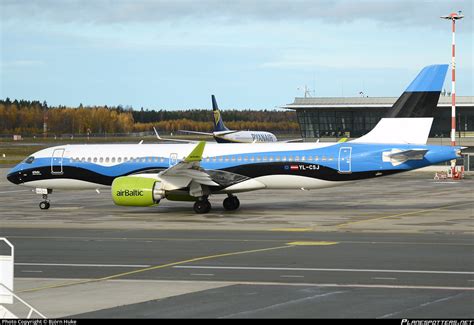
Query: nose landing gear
point(44, 205)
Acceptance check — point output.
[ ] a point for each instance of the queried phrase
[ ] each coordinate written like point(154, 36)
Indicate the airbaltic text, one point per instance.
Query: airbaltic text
point(130, 193)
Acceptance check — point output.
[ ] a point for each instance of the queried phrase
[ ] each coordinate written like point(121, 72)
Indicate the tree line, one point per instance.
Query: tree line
point(27, 118)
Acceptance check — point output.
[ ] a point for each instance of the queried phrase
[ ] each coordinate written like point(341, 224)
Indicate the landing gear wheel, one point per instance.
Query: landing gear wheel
point(44, 205)
point(202, 206)
point(231, 203)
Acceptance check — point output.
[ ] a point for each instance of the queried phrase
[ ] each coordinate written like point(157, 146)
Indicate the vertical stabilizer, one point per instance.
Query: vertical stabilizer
point(422, 95)
point(399, 130)
point(218, 122)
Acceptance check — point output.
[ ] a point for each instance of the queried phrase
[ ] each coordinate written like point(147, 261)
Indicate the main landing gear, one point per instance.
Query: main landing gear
point(203, 205)
point(231, 203)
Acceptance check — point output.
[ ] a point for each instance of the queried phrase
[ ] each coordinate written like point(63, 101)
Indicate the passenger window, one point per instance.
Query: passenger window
point(101, 159)
point(89, 159)
point(113, 159)
point(119, 159)
point(316, 158)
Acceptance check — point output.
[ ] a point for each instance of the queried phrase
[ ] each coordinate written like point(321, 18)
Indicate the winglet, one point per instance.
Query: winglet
point(196, 154)
point(157, 135)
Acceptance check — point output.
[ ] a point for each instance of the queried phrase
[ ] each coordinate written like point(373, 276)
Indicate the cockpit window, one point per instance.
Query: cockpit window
point(29, 160)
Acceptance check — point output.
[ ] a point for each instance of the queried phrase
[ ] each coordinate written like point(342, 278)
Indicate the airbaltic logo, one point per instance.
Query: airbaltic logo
point(130, 193)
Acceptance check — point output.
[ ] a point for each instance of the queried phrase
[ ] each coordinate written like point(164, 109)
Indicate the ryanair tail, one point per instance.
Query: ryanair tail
point(422, 95)
point(218, 122)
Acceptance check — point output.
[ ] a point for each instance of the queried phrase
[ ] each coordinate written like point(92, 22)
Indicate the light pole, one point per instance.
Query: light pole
point(453, 17)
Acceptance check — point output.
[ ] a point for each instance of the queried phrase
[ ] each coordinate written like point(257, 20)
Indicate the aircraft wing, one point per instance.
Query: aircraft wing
point(172, 140)
point(187, 171)
point(196, 132)
point(292, 140)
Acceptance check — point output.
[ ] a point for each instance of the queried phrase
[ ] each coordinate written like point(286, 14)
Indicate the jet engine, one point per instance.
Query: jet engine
point(136, 191)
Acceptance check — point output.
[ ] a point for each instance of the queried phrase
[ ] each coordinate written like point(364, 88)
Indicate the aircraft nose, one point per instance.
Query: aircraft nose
point(14, 176)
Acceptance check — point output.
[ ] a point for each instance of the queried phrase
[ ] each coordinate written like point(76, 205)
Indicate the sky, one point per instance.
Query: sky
point(250, 54)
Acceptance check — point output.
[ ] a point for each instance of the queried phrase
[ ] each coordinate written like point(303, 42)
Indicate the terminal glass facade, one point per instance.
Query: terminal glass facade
point(355, 122)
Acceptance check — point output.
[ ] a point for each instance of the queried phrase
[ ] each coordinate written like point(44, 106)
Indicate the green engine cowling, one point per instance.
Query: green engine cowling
point(136, 191)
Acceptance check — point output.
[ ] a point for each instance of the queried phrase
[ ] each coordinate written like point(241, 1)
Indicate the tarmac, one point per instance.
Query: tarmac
point(395, 247)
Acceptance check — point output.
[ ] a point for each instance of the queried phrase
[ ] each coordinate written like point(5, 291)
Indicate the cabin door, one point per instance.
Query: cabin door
point(345, 160)
point(57, 162)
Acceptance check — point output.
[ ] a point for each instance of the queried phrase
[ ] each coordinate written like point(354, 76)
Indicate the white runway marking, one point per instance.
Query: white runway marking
point(80, 265)
point(317, 269)
point(286, 304)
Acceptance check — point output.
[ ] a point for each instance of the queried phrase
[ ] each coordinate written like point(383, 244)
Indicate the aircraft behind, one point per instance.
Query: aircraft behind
point(223, 135)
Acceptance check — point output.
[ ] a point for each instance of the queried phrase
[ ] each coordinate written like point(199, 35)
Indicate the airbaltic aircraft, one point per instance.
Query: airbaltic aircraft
point(223, 135)
point(145, 174)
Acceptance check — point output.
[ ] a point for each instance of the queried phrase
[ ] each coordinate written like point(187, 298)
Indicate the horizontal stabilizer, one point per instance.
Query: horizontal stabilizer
point(398, 157)
point(399, 130)
point(409, 154)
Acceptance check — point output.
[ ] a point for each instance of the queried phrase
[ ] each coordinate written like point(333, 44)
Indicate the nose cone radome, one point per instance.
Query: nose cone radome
point(14, 176)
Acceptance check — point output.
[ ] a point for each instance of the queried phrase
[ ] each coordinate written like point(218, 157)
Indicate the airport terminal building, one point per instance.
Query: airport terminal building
point(354, 116)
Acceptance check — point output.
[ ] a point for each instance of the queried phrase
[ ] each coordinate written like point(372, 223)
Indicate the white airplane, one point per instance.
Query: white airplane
point(145, 174)
point(223, 135)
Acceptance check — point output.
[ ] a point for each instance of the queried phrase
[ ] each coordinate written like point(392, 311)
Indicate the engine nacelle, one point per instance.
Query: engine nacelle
point(136, 191)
